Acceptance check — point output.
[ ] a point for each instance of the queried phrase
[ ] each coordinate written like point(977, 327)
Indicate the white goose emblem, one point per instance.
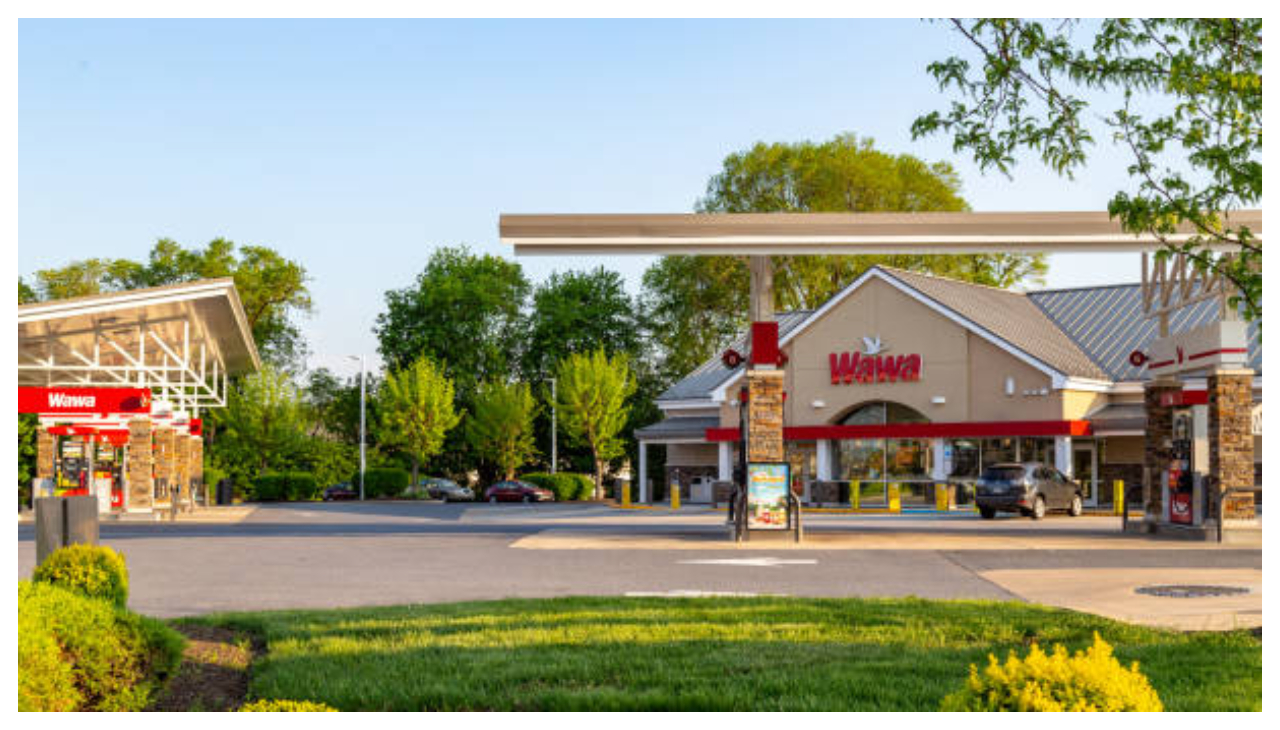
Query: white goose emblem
point(872, 345)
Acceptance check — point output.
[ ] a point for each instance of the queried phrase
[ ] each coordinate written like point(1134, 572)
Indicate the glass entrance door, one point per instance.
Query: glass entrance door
point(1084, 468)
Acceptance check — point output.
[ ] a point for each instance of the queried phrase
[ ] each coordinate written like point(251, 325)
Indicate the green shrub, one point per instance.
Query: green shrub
point(1088, 681)
point(92, 570)
point(567, 486)
point(278, 486)
point(79, 653)
point(383, 482)
point(287, 705)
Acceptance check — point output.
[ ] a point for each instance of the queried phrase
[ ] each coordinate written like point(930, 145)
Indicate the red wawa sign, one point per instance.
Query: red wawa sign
point(84, 400)
point(872, 367)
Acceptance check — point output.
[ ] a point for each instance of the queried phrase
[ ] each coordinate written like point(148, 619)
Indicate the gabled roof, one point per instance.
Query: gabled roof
point(1010, 316)
point(1085, 333)
point(1107, 323)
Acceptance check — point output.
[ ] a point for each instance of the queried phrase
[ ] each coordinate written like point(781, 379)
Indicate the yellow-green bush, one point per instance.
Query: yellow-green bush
point(92, 570)
point(81, 653)
point(286, 706)
point(1088, 681)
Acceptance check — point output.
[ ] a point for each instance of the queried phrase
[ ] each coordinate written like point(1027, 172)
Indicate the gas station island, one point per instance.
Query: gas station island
point(119, 382)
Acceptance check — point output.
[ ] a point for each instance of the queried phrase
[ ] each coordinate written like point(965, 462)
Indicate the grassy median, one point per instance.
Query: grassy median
point(704, 654)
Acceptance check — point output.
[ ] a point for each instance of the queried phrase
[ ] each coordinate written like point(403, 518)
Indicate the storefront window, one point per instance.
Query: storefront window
point(1037, 449)
point(908, 459)
point(871, 414)
point(862, 459)
point(965, 459)
point(999, 451)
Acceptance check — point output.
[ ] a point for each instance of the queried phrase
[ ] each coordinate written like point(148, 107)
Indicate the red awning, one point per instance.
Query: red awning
point(970, 429)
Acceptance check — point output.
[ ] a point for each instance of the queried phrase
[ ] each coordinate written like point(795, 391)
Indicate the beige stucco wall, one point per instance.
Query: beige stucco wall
point(692, 454)
point(1125, 449)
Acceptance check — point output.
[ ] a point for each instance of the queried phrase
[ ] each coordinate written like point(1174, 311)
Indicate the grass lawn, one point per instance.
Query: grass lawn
point(704, 654)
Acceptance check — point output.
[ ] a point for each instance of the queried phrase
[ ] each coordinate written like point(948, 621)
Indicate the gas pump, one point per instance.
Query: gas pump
point(70, 472)
point(1179, 479)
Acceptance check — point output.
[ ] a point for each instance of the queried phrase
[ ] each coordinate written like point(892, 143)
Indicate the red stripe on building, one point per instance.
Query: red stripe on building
point(972, 429)
point(1223, 351)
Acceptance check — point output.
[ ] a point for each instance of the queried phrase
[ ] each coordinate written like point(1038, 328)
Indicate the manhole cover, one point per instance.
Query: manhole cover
point(1191, 591)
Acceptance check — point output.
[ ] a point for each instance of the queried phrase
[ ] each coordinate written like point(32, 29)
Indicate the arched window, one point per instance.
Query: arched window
point(878, 413)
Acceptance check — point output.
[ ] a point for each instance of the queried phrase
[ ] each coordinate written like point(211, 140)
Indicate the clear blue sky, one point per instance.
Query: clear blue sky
point(356, 147)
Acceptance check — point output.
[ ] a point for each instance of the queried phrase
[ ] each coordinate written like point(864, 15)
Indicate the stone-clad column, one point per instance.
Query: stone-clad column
point(1231, 440)
point(181, 470)
point(164, 467)
point(138, 466)
point(1159, 438)
point(195, 452)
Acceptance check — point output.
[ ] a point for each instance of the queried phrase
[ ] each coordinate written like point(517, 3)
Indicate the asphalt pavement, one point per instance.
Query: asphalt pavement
point(319, 555)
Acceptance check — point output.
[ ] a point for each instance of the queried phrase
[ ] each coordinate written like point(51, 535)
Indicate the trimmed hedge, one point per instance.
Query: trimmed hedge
point(383, 481)
point(90, 570)
point(287, 705)
point(78, 653)
point(292, 486)
point(567, 486)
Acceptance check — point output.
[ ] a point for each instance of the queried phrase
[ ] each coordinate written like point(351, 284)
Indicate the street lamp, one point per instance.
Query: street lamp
point(553, 425)
point(362, 368)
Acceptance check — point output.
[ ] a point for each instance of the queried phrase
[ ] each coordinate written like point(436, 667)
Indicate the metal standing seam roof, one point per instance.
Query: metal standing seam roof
point(678, 427)
point(1107, 323)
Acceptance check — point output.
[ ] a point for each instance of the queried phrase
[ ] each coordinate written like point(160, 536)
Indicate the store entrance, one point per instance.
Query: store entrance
point(1084, 466)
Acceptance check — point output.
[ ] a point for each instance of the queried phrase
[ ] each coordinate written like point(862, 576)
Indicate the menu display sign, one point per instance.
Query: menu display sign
point(767, 495)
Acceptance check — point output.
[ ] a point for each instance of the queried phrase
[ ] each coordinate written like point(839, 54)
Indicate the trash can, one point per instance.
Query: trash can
point(224, 492)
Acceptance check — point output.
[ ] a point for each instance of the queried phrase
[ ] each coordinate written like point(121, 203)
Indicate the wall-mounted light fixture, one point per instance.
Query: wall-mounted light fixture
point(939, 400)
point(819, 404)
point(1010, 387)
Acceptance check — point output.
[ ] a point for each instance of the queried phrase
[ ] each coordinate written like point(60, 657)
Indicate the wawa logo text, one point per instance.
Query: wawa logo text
point(872, 366)
point(58, 399)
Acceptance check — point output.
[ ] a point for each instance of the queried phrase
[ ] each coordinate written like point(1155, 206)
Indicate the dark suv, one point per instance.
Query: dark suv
point(1030, 488)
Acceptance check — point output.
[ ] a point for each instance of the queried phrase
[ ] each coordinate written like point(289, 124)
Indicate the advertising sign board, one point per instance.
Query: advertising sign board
point(767, 495)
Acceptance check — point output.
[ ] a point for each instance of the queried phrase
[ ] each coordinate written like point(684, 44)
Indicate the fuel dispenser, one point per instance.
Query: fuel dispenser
point(1183, 480)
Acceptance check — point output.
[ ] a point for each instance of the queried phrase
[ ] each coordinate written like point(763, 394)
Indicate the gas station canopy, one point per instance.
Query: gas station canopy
point(179, 341)
point(833, 233)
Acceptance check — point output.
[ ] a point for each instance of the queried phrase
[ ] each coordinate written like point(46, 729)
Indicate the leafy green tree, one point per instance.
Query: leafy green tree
point(417, 410)
point(500, 425)
point(28, 424)
point(592, 393)
point(697, 304)
point(463, 312)
point(1188, 119)
point(26, 294)
point(262, 427)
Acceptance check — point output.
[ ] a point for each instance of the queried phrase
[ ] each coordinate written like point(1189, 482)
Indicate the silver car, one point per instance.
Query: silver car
point(1030, 488)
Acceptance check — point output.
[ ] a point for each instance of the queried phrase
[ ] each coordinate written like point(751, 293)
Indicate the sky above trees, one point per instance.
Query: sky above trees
point(358, 147)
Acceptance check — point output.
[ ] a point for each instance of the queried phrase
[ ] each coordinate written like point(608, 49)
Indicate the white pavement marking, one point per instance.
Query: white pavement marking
point(765, 562)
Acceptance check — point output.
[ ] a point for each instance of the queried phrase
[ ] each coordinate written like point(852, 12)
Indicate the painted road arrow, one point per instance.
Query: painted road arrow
point(765, 562)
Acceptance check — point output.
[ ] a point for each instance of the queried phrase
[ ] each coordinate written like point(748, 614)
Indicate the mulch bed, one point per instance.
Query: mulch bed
point(214, 676)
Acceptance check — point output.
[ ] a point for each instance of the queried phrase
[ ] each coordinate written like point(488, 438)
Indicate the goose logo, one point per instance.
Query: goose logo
point(873, 346)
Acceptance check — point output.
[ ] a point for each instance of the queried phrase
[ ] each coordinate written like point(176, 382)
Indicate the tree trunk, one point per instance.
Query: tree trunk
point(414, 483)
point(595, 458)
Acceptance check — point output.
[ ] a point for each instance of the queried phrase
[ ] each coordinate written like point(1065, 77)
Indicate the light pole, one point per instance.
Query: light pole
point(362, 367)
point(553, 425)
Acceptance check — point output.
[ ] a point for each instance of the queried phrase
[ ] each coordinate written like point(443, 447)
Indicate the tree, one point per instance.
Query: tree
point(417, 410)
point(262, 428)
point(272, 289)
point(1190, 120)
point(592, 394)
point(578, 311)
point(500, 425)
point(698, 304)
point(463, 313)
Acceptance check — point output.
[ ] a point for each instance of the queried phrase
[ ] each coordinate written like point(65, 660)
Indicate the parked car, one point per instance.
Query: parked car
point(518, 491)
point(1029, 488)
point(448, 490)
point(341, 490)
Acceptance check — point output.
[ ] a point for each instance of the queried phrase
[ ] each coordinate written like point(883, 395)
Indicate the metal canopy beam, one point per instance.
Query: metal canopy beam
point(832, 233)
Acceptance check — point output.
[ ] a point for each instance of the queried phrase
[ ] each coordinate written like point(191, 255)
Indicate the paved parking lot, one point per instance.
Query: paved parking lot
point(348, 554)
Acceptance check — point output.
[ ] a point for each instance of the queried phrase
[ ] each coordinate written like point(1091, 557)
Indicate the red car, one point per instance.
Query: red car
point(517, 491)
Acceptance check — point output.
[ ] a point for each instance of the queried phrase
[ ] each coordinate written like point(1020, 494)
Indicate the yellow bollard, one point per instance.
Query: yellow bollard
point(940, 497)
point(626, 493)
point(855, 494)
point(895, 498)
point(675, 495)
point(1118, 497)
